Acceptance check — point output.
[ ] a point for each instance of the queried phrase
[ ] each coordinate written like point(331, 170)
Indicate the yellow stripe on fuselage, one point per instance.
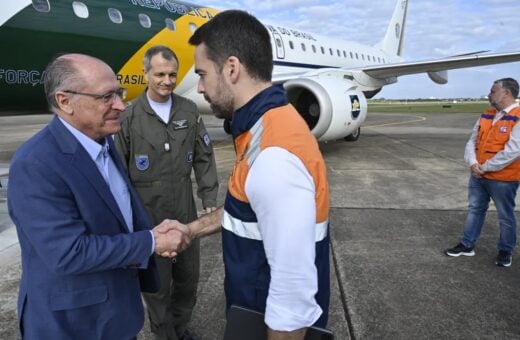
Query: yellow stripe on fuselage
point(176, 40)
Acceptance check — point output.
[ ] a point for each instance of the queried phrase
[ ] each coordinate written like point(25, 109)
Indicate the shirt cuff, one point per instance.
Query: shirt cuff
point(285, 320)
point(153, 243)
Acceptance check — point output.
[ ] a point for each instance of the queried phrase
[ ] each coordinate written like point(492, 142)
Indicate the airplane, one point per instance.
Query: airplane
point(327, 80)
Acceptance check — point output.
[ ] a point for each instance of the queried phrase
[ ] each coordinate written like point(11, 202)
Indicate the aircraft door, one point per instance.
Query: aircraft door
point(278, 43)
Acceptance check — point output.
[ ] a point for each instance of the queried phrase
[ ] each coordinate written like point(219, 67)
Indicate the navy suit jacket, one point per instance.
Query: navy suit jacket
point(80, 276)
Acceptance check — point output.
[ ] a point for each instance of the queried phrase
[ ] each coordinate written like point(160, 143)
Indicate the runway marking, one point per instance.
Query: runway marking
point(420, 119)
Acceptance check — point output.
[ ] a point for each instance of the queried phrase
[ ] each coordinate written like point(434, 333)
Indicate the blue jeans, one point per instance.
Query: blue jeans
point(480, 191)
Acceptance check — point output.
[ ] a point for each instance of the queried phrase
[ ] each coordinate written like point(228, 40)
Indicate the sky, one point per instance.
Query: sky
point(434, 29)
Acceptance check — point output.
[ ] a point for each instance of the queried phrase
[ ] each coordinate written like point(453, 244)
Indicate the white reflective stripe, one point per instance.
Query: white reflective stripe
point(250, 229)
point(240, 228)
point(254, 146)
point(10, 8)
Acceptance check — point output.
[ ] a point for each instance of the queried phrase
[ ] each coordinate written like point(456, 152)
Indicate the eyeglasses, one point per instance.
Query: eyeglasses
point(105, 98)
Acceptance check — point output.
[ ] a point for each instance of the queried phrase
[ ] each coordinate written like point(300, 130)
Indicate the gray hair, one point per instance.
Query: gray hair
point(508, 84)
point(165, 51)
point(60, 74)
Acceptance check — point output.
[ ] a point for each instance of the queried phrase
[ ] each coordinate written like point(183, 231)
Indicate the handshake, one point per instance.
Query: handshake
point(171, 238)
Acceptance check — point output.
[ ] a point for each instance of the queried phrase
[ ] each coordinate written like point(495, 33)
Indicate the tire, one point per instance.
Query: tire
point(354, 136)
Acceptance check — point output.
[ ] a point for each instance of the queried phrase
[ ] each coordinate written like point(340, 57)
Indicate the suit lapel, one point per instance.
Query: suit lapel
point(140, 217)
point(81, 160)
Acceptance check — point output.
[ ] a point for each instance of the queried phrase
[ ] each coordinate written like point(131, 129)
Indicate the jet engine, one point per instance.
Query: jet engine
point(332, 107)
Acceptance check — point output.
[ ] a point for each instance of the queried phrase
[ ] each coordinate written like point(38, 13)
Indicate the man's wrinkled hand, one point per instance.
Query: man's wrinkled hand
point(171, 237)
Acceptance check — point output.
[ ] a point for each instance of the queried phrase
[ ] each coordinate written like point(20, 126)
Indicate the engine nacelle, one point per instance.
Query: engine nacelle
point(332, 107)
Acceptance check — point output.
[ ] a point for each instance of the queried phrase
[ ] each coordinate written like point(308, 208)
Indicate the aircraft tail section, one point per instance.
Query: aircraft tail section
point(393, 42)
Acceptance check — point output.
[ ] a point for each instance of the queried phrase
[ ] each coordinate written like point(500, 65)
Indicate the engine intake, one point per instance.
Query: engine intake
point(332, 107)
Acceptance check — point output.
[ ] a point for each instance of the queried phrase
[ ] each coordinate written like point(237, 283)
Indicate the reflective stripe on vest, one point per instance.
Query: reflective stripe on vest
point(252, 231)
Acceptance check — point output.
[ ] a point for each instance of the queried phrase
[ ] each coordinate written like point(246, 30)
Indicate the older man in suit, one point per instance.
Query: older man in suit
point(85, 237)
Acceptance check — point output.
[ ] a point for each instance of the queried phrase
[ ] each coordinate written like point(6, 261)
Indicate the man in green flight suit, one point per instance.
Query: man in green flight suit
point(162, 139)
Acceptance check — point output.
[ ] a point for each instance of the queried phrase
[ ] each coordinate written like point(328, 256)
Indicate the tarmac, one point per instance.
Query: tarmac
point(398, 199)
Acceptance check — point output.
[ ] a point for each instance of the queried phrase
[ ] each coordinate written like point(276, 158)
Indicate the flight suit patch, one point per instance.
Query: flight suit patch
point(189, 157)
point(142, 162)
point(503, 129)
point(206, 139)
point(180, 124)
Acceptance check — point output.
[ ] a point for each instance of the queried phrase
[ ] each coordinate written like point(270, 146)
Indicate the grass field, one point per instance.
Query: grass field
point(427, 106)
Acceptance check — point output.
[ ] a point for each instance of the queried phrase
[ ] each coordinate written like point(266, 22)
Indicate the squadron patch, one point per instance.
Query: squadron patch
point(206, 139)
point(142, 162)
point(189, 157)
point(180, 124)
point(503, 129)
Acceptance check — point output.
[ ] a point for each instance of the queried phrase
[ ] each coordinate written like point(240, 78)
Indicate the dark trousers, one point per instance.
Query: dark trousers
point(170, 309)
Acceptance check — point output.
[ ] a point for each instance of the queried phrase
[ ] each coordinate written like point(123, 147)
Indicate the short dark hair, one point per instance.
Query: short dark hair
point(61, 74)
point(508, 84)
point(165, 51)
point(239, 34)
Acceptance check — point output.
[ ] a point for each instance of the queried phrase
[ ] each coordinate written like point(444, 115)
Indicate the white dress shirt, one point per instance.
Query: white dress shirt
point(95, 151)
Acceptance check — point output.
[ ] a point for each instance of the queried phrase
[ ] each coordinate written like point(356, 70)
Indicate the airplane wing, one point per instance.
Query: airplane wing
point(436, 65)
point(384, 73)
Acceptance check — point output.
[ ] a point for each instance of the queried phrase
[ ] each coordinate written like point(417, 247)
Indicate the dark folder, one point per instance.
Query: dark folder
point(243, 323)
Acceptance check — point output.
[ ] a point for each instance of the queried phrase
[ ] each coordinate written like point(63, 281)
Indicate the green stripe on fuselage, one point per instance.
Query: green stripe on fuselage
point(30, 39)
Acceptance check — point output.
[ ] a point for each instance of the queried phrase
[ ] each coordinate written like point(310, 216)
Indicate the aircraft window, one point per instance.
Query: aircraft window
point(80, 9)
point(41, 5)
point(170, 24)
point(322, 50)
point(379, 60)
point(278, 43)
point(145, 21)
point(357, 57)
point(192, 27)
point(313, 48)
point(362, 56)
point(339, 53)
point(351, 55)
point(330, 50)
point(344, 54)
point(291, 45)
point(303, 47)
point(115, 15)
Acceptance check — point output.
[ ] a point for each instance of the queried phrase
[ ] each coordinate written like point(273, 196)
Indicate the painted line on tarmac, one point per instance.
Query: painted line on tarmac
point(420, 119)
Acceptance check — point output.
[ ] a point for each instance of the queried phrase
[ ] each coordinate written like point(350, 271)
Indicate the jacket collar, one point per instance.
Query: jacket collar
point(82, 161)
point(245, 117)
